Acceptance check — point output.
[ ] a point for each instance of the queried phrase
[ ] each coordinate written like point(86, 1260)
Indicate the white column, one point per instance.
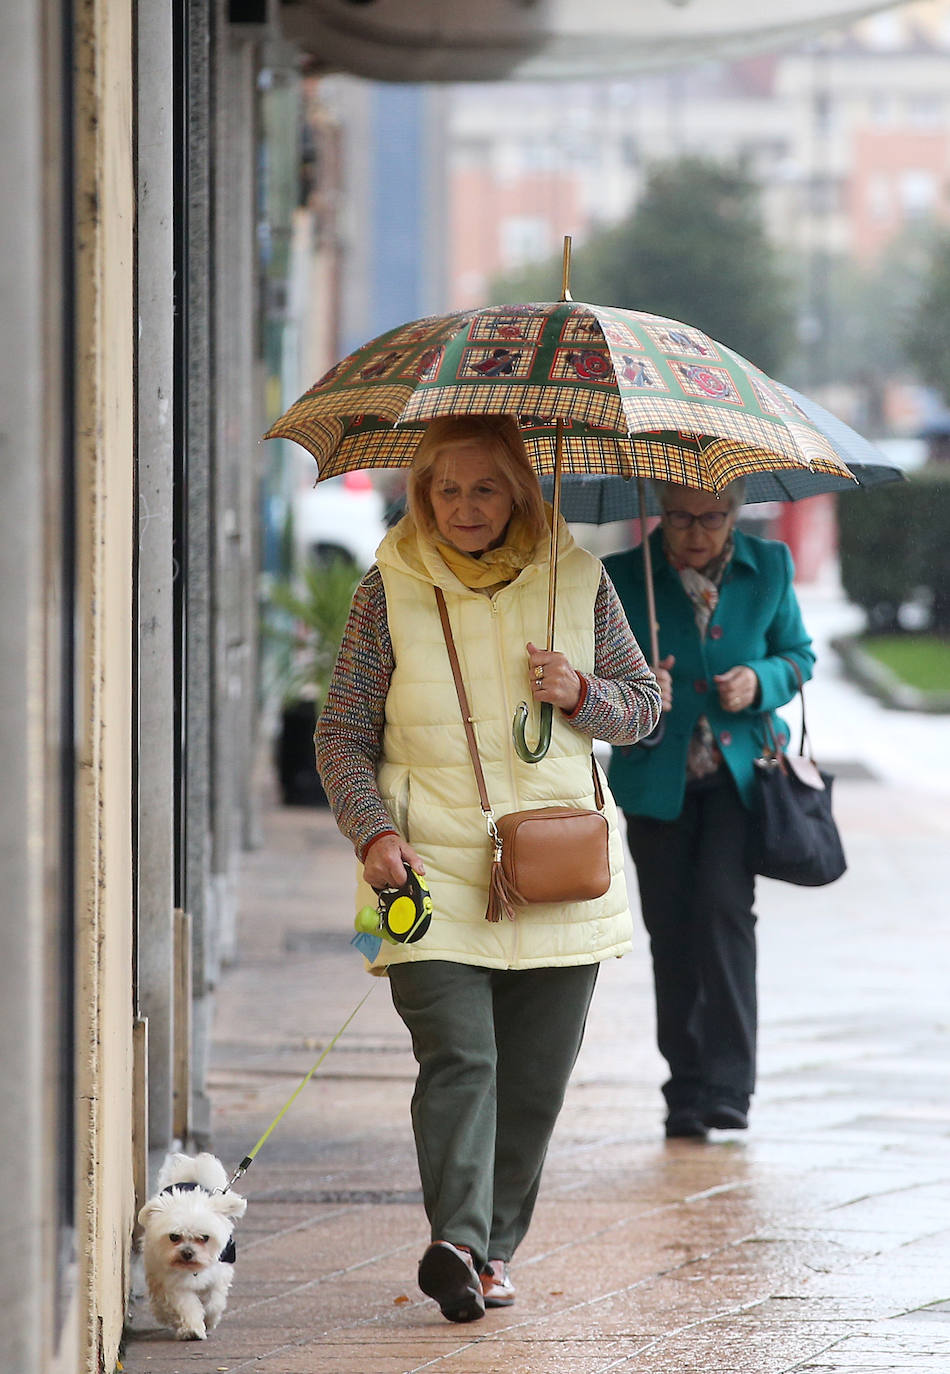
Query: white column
point(156, 703)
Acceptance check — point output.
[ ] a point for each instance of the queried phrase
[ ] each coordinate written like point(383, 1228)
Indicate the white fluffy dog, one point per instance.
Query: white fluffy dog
point(188, 1247)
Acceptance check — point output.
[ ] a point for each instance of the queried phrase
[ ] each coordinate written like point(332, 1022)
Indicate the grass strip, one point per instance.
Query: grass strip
point(920, 660)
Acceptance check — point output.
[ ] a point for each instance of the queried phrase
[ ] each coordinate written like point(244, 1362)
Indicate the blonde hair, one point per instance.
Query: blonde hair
point(733, 493)
point(502, 437)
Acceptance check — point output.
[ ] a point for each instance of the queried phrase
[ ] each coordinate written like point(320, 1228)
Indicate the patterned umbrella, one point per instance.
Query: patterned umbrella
point(637, 394)
point(595, 390)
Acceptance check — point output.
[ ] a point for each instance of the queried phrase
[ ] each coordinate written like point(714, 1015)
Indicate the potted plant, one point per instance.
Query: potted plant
point(307, 617)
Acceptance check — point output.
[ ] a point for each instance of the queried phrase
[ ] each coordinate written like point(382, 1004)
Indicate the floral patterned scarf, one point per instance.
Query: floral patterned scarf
point(702, 588)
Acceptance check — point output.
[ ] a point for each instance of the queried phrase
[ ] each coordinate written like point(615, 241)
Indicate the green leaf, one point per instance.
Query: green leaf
point(304, 623)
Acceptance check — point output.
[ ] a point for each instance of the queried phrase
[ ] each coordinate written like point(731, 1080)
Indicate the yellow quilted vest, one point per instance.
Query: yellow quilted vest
point(425, 773)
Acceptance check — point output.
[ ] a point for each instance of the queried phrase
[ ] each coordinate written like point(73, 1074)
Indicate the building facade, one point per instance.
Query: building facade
point(127, 639)
point(847, 134)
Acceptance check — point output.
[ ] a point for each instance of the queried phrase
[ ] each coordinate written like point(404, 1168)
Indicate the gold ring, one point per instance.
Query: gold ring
point(538, 673)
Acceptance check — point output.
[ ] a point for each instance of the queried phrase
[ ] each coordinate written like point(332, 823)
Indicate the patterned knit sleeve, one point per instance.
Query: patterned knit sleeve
point(349, 733)
point(620, 701)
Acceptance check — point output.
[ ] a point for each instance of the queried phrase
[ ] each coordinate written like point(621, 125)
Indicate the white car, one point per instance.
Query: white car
point(339, 518)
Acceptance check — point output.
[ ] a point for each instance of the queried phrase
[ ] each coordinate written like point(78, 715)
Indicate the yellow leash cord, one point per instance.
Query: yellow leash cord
point(248, 1159)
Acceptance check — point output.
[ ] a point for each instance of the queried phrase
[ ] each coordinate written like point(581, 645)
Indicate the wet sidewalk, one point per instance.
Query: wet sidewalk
point(818, 1241)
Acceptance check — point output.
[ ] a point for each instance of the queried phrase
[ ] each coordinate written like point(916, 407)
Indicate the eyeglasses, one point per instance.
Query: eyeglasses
point(685, 519)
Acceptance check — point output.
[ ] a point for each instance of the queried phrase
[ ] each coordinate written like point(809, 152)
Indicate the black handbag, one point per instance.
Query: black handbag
point(793, 835)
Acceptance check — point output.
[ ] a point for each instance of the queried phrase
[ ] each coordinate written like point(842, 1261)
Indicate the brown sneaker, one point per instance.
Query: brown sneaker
point(497, 1287)
point(446, 1273)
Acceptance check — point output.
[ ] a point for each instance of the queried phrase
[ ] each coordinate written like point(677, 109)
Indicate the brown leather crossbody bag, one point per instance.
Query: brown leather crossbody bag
point(549, 854)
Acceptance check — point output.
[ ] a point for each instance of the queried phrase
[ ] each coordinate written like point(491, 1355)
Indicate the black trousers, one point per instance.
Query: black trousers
point(696, 895)
point(495, 1049)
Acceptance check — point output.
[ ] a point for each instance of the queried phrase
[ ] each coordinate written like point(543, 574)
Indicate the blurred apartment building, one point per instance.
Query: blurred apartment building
point(848, 135)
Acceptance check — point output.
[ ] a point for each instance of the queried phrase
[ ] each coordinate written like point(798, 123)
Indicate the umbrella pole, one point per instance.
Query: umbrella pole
point(555, 521)
point(558, 462)
point(522, 748)
point(652, 740)
point(648, 577)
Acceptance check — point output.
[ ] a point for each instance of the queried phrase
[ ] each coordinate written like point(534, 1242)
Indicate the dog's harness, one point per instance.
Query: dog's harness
point(229, 1254)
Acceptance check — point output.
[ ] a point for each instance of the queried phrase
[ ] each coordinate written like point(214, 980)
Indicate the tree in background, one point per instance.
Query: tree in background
point(855, 317)
point(927, 335)
point(694, 249)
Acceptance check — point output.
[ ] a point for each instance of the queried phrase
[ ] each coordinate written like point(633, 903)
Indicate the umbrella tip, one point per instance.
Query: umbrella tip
point(566, 270)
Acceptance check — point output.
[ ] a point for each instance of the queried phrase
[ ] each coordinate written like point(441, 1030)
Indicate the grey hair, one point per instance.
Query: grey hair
point(733, 492)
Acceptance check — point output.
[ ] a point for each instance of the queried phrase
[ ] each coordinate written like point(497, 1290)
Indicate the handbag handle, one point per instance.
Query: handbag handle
point(801, 696)
point(771, 742)
point(467, 719)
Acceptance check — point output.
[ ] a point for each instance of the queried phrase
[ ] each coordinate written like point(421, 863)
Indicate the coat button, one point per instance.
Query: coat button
point(715, 632)
point(700, 685)
point(725, 738)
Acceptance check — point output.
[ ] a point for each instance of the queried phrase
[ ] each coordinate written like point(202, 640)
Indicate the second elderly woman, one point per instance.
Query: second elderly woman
point(496, 1011)
point(734, 647)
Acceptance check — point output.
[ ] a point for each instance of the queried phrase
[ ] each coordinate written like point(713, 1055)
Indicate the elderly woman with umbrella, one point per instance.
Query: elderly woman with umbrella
point(496, 1009)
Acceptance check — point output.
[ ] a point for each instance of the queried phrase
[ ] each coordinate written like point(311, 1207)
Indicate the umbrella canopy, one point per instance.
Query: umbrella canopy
point(635, 394)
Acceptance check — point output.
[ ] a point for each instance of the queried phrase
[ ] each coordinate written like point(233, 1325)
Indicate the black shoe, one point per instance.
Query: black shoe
point(685, 1123)
point(446, 1273)
point(722, 1117)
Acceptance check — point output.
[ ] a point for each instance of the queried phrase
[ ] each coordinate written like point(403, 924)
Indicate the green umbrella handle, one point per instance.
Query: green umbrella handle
point(520, 720)
point(544, 739)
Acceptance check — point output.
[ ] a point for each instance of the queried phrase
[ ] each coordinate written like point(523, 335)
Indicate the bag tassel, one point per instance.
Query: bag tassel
point(501, 901)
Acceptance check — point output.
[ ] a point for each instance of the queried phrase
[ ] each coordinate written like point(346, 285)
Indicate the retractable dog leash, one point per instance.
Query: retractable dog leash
point(248, 1159)
point(402, 915)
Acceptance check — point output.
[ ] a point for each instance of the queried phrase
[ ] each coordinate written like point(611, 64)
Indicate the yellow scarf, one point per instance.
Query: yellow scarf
point(495, 567)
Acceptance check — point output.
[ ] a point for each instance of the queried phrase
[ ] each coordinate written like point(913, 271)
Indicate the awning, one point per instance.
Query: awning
point(456, 40)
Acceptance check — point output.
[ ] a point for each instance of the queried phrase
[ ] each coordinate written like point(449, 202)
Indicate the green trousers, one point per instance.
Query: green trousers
point(495, 1049)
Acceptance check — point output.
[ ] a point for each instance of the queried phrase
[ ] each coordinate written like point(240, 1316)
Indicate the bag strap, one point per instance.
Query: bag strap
point(467, 719)
point(771, 743)
point(801, 695)
point(500, 896)
point(463, 703)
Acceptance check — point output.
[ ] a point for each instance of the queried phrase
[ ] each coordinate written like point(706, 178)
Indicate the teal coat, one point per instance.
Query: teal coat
point(756, 620)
